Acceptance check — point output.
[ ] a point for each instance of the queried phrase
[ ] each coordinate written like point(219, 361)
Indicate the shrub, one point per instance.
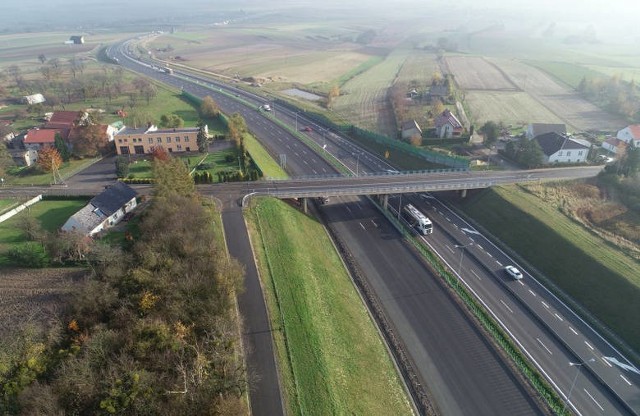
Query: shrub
point(30, 254)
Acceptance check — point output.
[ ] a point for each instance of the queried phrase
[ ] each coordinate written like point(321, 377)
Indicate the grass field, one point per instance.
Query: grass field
point(593, 272)
point(331, 357)
point(567, 73)
point(51, 215)
point(476, 73)
point(7, 204)
point(143, 168)
point(269, 167)
point(510, 107)
point(32, 176)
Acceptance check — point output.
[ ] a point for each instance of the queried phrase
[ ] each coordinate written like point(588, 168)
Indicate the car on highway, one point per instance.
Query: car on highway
point(265, 107)
point(307, 128)
point(513, 272)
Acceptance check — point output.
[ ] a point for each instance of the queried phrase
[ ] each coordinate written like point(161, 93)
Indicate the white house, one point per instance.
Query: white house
point(561, 148)
point(33, 99)
point(614, 145)
point(630, 134)
point(448, 125)
point(103, 211)
point(538, 129)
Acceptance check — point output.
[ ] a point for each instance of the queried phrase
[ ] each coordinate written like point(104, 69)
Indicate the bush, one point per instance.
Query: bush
point(229, 158)
point(29, 254)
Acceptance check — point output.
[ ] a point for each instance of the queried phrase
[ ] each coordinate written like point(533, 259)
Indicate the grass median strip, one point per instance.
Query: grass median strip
point(332, 360)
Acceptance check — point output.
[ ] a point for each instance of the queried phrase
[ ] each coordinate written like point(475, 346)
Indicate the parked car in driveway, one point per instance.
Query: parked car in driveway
point(513, 272)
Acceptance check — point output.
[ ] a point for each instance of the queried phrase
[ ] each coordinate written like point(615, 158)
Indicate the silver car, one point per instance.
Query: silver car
point(513, 272)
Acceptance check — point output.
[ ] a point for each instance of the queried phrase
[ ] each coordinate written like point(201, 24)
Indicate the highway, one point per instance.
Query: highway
point(588, 395)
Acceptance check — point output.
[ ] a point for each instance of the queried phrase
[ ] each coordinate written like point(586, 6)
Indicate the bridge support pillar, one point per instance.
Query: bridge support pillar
point(305, 208)
point(385, 200)
point(463, 193)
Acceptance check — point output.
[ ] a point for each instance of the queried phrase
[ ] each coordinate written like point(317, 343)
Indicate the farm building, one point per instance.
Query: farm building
point(141, 141)
point(410, 129)
point(75, 40)
point(614, 145)
point(561, 148)
point(33, 99)
point(103, 211)
point(630, 134)
point(538, 129)
point(448, 125)
point(37, 139)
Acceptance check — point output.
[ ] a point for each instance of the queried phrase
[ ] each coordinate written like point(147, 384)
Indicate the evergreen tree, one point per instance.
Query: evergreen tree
point(62, 148)
point(202, 139)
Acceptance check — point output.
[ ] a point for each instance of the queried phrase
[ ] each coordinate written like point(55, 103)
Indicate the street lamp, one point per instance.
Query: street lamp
point(461, 246)
point(575, 378)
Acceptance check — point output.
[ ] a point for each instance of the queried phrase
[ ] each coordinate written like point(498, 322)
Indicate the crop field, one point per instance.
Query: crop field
point(31, 296)
point(476, 73)
point(277, 55)
point(576, 112)
point(419, 66)
point(363, 99)
point(510, 107)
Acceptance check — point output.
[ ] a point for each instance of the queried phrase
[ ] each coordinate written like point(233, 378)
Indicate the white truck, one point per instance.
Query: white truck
point(417, 219)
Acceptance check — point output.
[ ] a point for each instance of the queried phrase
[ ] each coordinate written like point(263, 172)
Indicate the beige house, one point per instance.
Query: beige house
point(131, 141)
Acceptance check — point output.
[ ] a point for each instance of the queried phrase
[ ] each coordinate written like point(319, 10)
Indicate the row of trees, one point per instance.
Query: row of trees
point(614, 94)
point(151, 329)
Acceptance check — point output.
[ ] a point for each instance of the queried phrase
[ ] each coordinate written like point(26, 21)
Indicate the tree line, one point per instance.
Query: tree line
point(150, 330)
point(614, 94)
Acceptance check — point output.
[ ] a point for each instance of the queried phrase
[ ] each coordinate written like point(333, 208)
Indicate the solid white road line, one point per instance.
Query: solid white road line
point(506, 306)
point(544, 346)
point(594, 400)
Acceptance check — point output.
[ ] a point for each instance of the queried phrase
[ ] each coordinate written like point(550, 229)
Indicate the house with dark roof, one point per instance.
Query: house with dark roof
point(537, 129)
point(103, 211)
point(448, 125)
point(561, 148)
point(410, 128)
point(630, 134)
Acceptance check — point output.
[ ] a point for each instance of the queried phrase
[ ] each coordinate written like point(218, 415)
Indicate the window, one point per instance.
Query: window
point(150, 139)
point(568, 152)
point(168, 139)
point(119, 140)
point(159, 139)
point(186, 138)
point(580, 153)
point(177, 139)
point(126, 140)
point(179, 147)
point(560, 153)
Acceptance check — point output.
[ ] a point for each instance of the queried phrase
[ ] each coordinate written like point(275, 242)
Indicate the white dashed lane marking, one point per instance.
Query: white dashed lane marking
point(544, 346)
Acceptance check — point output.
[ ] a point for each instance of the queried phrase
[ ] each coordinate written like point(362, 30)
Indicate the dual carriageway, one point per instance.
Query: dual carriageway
point(461, 371)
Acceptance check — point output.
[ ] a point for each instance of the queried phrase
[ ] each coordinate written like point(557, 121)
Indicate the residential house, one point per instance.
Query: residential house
point(33, 99)
point(142, 141)
point(410, 129)
point(438, 92)
point(614, 145)
point(37, 139)
point(447, 125)
point(103, 211)
point(630, 134)
point(65, 121)
point(561, 148)
point(538, 129)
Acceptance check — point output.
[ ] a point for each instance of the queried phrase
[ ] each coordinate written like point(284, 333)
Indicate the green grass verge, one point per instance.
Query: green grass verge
point(269, 167)
point(598, 276)
point(51, 215)
point(331, 357)
point(7, 204)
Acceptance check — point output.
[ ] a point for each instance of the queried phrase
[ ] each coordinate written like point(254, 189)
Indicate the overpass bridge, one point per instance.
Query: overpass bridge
point(386, 184)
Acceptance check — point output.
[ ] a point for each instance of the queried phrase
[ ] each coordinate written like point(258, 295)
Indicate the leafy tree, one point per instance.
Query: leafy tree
point(171, 121)
point(42, 58)
point(90, 141)
point(416, 140)
point(31, 254)
point(490, 130)
point(209, 108)
point(172, 177)
point(202, 139)
point(49, 159)
point(62, 148)
point(237, 128)
point(6, 161)
point(160, 153)
point(530, 153)
point(122, 166)
point(334, 93)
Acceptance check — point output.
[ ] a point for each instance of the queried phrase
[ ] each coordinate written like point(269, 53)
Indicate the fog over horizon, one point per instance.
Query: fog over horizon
point(612, 21)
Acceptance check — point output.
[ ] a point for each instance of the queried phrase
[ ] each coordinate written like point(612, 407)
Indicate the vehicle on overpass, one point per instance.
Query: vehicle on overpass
point(417, 219)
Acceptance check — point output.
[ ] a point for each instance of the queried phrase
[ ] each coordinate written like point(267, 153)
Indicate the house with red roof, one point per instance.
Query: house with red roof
point(40, 138)
point(630, 134)
point(614, 145)
point(65, 121)
point(448, 125)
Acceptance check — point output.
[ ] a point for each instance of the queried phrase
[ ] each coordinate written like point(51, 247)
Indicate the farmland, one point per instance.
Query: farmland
point(517, 108)
point(476, 73)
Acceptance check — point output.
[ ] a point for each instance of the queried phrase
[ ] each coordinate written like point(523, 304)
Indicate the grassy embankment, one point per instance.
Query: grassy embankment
point(600, 277)
point(6, 204)
point(331, 357)
point(51, 215)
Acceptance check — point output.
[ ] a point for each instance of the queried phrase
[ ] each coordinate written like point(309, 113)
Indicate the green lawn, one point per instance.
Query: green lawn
point(51, 214)
point(33, 176)
point(331, 357)
point(597, 275)
point(6, 204)
point(263, 159)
